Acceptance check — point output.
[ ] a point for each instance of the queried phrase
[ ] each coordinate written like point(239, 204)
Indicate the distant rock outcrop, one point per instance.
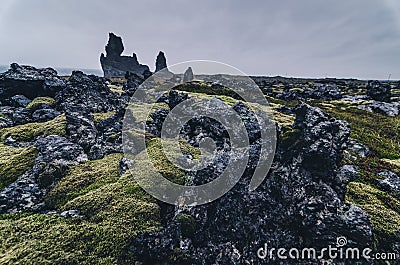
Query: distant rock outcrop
point(161, 61)
point(115, 65)
point(188, 75)
point(379, 91)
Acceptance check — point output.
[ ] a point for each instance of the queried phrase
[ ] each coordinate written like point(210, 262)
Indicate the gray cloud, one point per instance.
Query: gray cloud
point(309, 38)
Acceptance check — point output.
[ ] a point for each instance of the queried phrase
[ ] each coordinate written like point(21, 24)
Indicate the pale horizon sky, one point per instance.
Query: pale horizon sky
point(308, 38)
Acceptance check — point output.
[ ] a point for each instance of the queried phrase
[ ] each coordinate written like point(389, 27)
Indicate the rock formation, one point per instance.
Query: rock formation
point(115, 65)
point(161, 61)
point(188, 75)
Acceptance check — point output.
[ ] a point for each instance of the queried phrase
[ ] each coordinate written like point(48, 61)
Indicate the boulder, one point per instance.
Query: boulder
point(29, 82)
point(379, 91)
point(389, 109)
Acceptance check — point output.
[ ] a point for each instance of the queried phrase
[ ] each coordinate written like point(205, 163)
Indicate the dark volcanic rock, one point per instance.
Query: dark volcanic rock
point(42, 115)
point(114, 47)
point(29, 81)
point(115, 65)
point(379, 91)
point(188, 75)
point(161, 61)
point(19, 101)
point(88, 93)
point(300, 204)
point(16, 116)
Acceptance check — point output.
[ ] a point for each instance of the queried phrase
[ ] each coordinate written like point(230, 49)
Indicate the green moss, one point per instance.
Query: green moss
point(83, 178)
point(282, 102)
point(160, 161)
point(37, 102)
point(29, 131)
point(44, 239)
point(14, 162)
point(99, 117)
point(382, 209)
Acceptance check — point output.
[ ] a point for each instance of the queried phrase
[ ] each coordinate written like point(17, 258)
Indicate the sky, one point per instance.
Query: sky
point(307, 38)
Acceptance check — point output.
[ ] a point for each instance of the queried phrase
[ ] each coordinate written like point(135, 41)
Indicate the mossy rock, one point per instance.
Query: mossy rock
point(115, 210)
point(38, 102)
point(188, 224)
point(99, 117)
point(29, 131)
point(382, 209)
point(14, 162)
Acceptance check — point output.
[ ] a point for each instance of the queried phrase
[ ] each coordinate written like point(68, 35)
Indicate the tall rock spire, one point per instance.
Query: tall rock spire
point(161, 61)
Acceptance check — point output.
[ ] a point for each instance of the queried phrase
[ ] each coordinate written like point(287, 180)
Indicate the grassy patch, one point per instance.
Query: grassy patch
point(37, 102)
point(14, 162)
point(29, 131)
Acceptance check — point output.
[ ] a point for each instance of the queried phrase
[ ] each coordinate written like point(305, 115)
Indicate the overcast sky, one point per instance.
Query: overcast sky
point(307, 38)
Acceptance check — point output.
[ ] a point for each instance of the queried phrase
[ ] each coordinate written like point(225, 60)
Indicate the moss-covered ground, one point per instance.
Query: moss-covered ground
point(29, 131)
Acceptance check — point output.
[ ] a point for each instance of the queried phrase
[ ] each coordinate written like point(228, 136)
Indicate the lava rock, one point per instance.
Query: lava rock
point(390, 182)
point(388, 109)
point(19, 101)
point(29, 81)
point(86, 93)
point(42, 115)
